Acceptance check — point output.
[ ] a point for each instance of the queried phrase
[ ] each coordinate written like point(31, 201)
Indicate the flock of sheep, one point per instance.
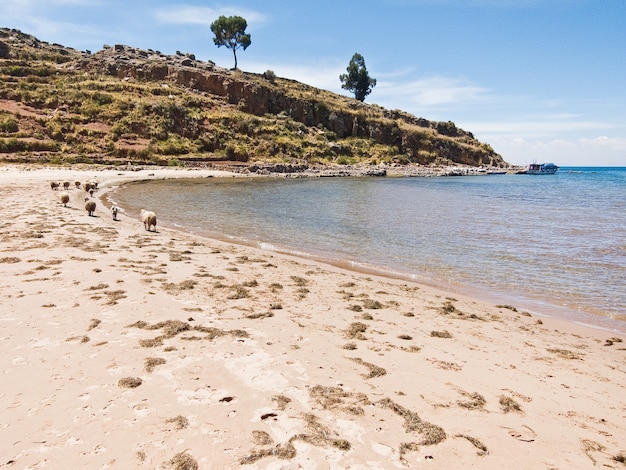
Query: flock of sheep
point(148, 218)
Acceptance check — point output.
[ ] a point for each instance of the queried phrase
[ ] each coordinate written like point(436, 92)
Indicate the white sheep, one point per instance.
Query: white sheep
point(90, 207)
point(65, 198)
point(149, 219)
point(114, 211)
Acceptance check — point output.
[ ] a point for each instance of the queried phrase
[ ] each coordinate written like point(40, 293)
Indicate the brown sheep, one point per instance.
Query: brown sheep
point(66, 185)
point(65, 198)
point(54, 185)
point(90, 207)
point(149, 219)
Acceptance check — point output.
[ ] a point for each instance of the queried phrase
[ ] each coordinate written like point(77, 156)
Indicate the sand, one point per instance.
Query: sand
point(123, 348)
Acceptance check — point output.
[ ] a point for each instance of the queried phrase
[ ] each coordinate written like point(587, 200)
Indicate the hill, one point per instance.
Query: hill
point(122, 104)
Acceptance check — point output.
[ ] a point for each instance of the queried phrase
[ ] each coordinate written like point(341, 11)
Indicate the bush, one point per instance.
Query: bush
point(270, 76)
point(9, 125)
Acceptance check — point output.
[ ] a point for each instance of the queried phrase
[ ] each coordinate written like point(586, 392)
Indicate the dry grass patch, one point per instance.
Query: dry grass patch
point(256, 316)
point(476, 401)
point(172, 328)
point(508, 405)
point(183, 461)
point(174, 288)
point(508, 307)
point(356, 330)
point(611, 341)
point(374, 371)
point(372, 304)
point(431, 433)
point(283, 452)
point(275, 287)
point(80, 339)
point(281, 401)
point(261, 438)
point(332, 398)
point(441, 334)
point(446, 365)
point(129, 382)
point(93, 324)
point(100, 286)
point(175, 256)
point(179, 421)
point(482, 448)
point(565, 353)
point(151, 362)
point(238, 292)
point(10, 259)
point(299, 281)
point(114, 295)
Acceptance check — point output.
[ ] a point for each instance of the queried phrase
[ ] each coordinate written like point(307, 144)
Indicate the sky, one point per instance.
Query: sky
point(538, 80)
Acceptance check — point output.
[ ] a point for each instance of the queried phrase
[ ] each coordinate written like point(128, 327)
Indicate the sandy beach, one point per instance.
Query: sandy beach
point(126, 348)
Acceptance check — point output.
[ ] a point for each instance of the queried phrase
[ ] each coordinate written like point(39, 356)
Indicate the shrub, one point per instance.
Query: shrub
point(9, 125)
point(270, 76)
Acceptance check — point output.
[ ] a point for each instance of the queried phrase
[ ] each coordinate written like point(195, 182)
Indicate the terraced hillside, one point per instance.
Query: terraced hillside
point(122, 104)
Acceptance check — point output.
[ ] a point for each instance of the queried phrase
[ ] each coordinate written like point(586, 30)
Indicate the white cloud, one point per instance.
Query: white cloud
point(613, 143)
point(587, 151)
point(534, 127)
point(431, 91)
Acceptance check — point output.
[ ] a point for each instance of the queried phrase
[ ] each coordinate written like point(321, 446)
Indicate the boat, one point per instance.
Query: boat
point(542, 169)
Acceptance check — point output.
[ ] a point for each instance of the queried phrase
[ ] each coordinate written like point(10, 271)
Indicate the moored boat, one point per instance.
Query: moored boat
point(542, 169)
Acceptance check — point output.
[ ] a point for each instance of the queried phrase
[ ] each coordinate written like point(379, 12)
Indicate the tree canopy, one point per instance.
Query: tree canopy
point(230, 31)
point(357, 80)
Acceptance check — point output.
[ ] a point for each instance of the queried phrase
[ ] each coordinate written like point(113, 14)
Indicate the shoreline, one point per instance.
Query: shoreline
point(150, 349)
point(536, 306)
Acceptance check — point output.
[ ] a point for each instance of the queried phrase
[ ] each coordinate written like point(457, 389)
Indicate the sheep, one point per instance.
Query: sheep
point(65, 198)
point(54, 185)
point(90, 207)
point(77, 184)
point(66, 185)
point(87, 186)
point(149, 219)
point(114, 211)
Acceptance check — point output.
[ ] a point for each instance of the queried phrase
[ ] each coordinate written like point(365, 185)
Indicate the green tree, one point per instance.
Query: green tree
point(357, 80)
point(231, 32)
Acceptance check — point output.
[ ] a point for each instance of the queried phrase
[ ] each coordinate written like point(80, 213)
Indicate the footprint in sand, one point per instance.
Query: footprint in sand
point(141, 410)
point(524, 436)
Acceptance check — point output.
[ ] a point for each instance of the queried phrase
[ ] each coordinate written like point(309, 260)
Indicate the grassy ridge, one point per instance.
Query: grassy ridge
point(60, 105)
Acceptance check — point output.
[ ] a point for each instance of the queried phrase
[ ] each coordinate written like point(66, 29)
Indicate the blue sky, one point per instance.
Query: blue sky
point(539, 80)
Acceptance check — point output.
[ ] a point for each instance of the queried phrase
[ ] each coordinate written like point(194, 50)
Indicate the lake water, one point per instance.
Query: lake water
point(553, 245)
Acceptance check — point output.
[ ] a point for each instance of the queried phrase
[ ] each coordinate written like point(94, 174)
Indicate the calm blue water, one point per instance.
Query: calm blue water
point(550, 244)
